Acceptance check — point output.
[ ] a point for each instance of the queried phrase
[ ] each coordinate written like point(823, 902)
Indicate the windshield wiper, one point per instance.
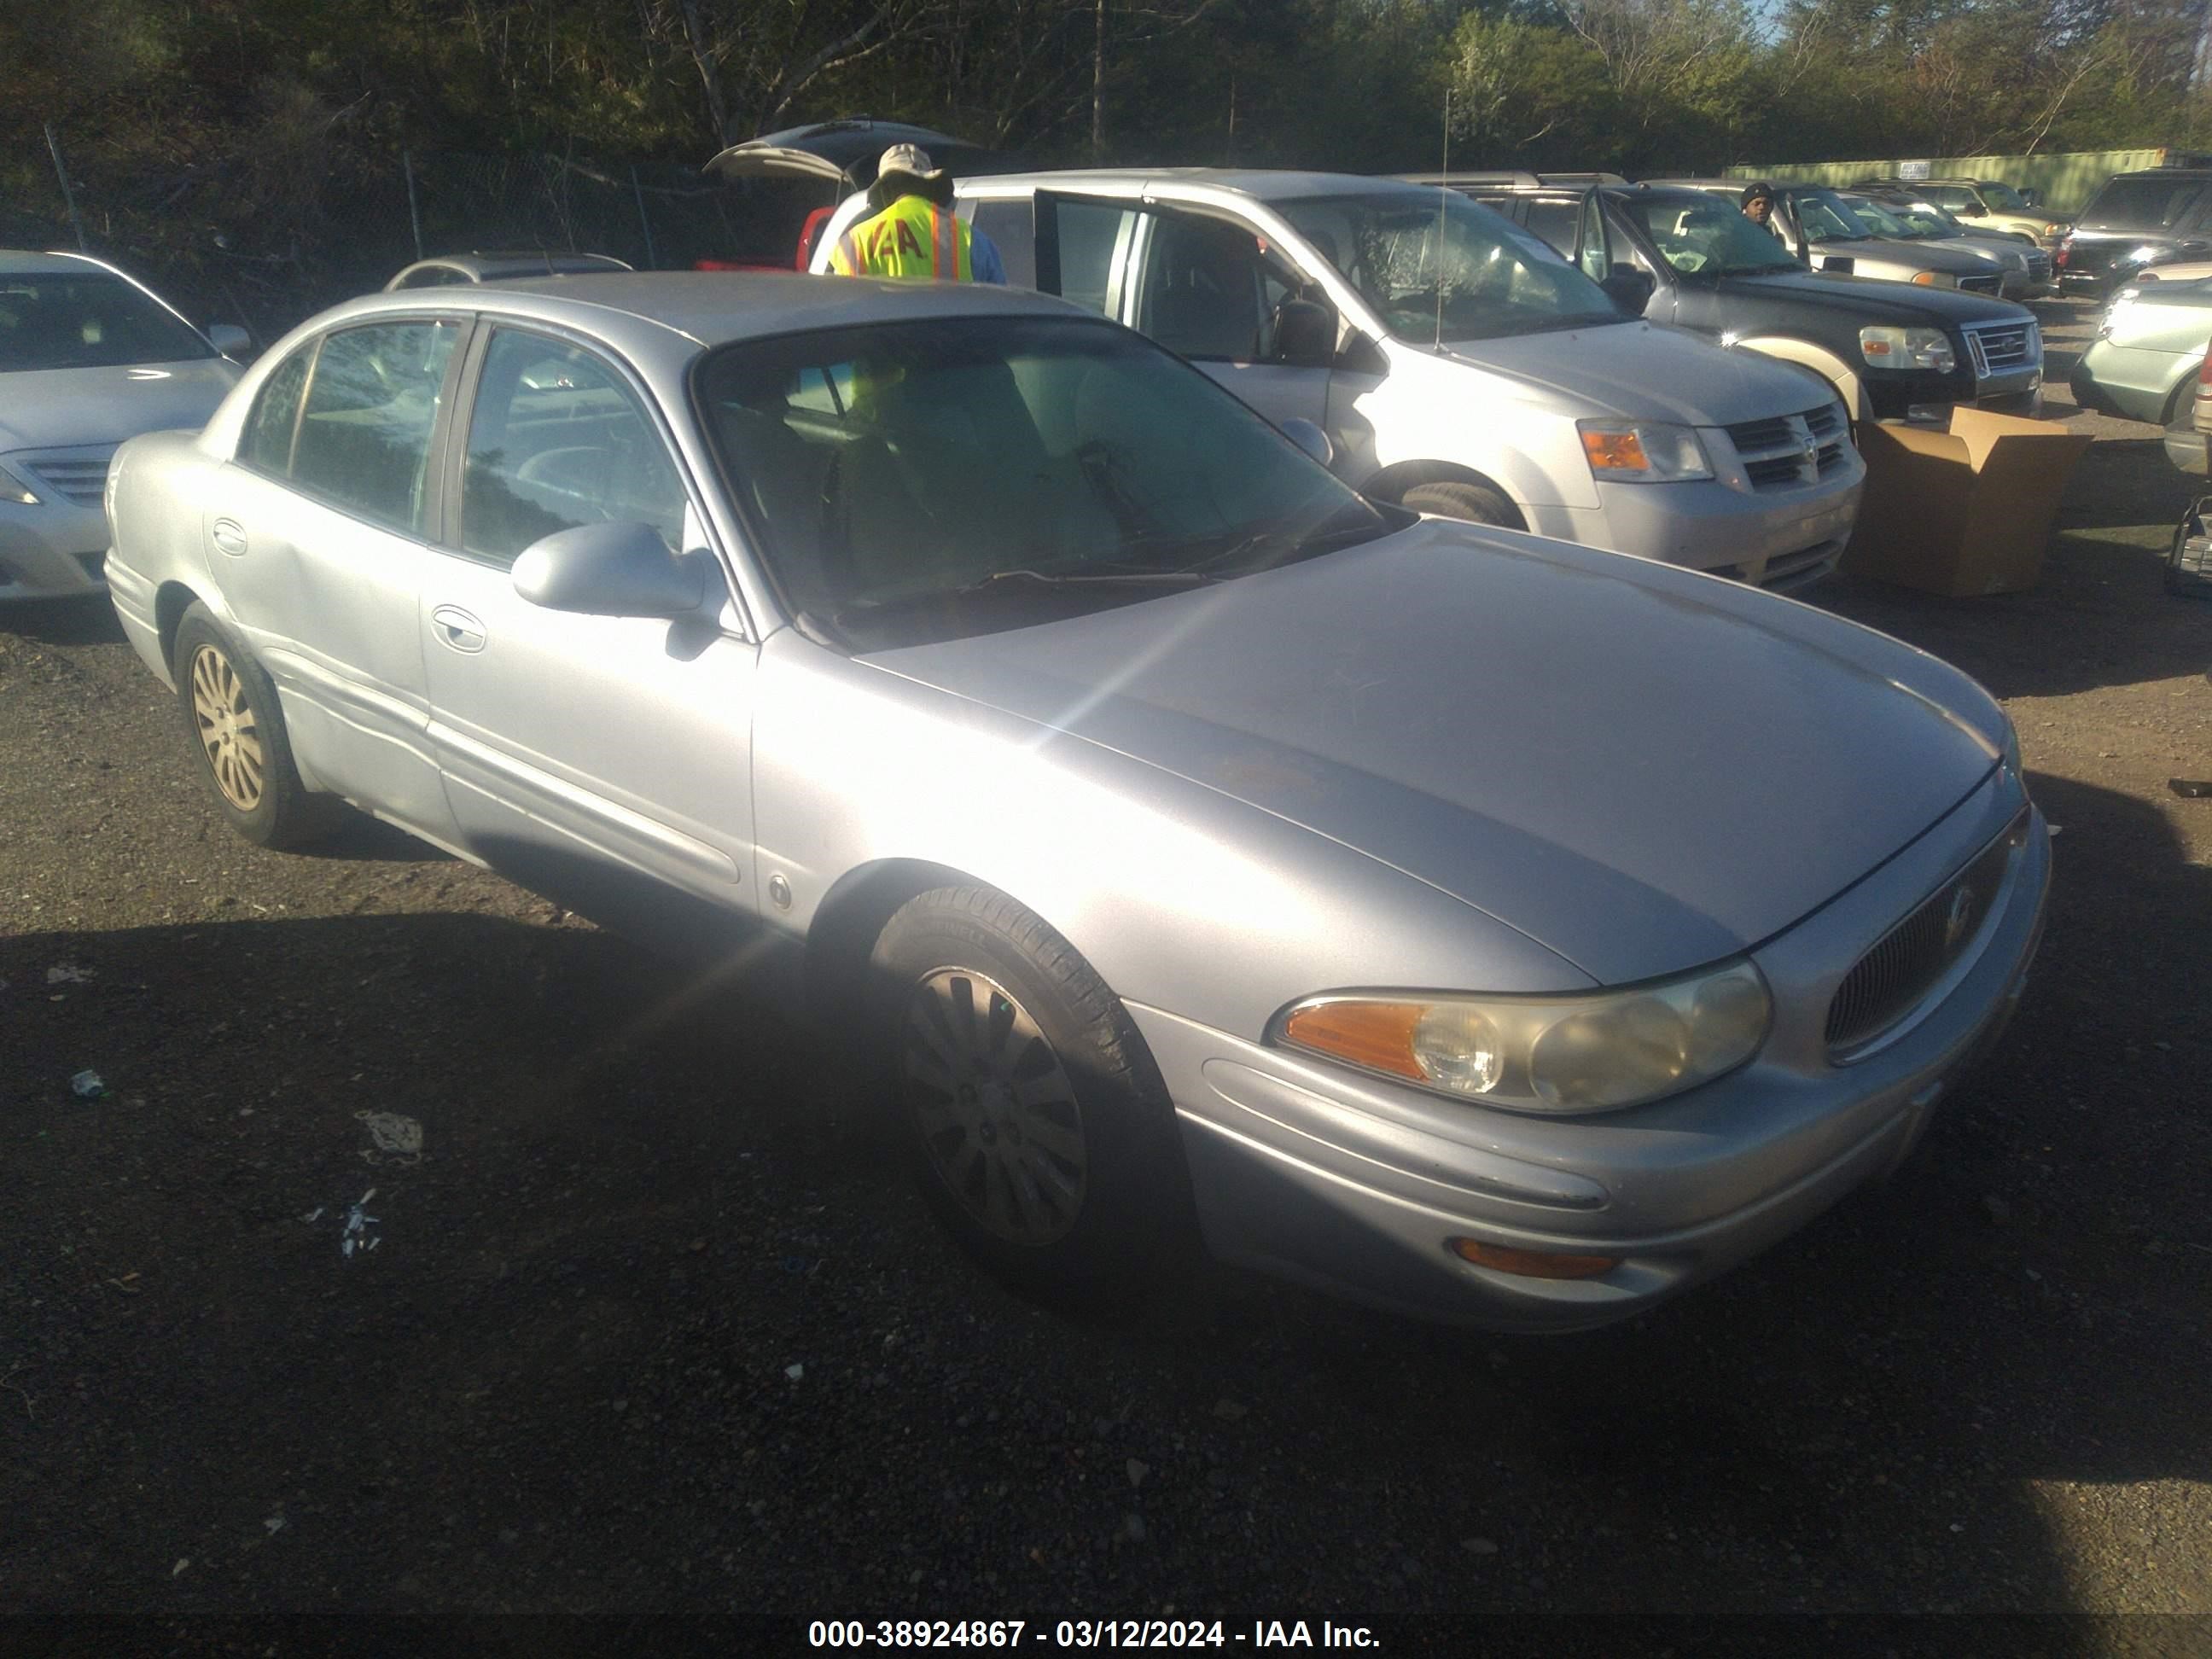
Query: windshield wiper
point(1016, 582)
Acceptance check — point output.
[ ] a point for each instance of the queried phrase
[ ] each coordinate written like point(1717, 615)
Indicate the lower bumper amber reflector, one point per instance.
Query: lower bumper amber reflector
point(1532, 1264)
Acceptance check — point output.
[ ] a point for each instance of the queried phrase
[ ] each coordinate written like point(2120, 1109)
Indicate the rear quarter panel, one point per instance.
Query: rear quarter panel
point(160, 490)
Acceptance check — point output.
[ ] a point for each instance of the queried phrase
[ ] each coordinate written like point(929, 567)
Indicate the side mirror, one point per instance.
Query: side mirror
point(1310, 438)
point(230, 338)
point(1842, 264)
point(1629, 289)
point(611, 570)
point(1971, 211)
point(2032, 197)
point(1305, 334)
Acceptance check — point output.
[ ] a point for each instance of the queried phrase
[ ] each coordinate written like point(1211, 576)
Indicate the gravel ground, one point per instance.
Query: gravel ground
point(652, 1323)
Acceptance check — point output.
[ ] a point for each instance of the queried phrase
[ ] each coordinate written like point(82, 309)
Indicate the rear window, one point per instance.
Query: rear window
point(2141, 202)
point(92, 320)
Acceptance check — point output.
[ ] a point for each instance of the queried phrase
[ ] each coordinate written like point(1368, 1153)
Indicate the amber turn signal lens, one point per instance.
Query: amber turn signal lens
point(1532, 1264)
point(1616, 451)
point(1378, 1034)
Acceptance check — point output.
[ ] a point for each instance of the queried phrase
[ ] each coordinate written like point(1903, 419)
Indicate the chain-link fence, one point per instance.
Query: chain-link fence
point(265, 242)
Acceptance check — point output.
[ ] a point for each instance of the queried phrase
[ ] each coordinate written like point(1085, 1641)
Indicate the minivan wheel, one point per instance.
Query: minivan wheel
point(237, 729)
point(1476, 503)
point(1034, 1119)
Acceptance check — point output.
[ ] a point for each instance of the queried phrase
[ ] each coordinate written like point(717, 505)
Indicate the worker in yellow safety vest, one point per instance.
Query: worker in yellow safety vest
point(912, 232)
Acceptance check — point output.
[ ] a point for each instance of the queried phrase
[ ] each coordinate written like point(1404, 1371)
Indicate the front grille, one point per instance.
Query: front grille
point(1885, 983)
point(78, 475)
point(1783, 451)
point(2000, 348)
point(1989, 284)
point(2039, 266)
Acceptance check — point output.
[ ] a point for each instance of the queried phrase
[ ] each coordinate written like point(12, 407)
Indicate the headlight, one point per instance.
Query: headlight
point(1908, 348)
point(1561, 1055)
point(14, 489)
point(1936, 279)
point(1643, 451)
point(2054, 229)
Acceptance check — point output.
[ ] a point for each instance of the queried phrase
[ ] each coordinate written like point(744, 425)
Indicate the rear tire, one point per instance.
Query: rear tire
point(1476, 503)
point(1034, 1119)
point(236, 727)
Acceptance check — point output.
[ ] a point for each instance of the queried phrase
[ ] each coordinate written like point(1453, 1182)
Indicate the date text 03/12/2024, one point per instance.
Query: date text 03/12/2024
point(1084, 1633)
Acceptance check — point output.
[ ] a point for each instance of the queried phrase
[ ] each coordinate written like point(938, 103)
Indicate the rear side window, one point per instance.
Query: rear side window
point(559, 440)
point(1087, 233)
point(1011, 226)
point(267, 442)
point(364, 439)
point(1555, 222)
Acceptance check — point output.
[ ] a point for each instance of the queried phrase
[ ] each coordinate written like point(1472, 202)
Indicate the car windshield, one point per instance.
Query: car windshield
point(2004, 197)
point(1436, 267)
point(1881, 221)
point(1702, 235)
point(68, 320)
point(1925, 219)
point(2144, 203)
point(944, 477)
point(1822, 215)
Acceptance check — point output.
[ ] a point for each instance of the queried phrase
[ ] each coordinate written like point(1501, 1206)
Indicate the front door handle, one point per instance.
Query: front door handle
point(457, 629)
point(229, 535)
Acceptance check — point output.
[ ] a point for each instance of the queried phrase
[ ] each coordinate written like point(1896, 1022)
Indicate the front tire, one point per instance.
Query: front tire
point(237, 729)
point(1476, 503)
point(1037, 1125)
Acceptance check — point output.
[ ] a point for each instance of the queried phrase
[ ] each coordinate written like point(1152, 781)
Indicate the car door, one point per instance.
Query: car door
point(318, 533)
point(604, 761)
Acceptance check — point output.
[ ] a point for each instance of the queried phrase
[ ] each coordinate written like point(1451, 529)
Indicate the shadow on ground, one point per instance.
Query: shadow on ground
point(653, 1323)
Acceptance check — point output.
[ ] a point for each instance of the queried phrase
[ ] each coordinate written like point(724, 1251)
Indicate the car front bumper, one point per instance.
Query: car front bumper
point(1357, 1185)
point(51, 550)
point(1781, 539)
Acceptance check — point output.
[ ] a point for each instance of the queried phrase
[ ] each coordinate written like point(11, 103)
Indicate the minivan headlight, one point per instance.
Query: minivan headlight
point(1643, 451)
point(1594, 1052)
point(1908, 348)
point(14, 490)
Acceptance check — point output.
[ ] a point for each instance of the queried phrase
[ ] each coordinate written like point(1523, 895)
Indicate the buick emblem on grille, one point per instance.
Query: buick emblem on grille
point(1956, 919)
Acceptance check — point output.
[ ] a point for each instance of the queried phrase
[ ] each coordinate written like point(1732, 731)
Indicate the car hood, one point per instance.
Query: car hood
point(1643, 768)
point(57, 408)
point(1873, 300)
point(1642, 373)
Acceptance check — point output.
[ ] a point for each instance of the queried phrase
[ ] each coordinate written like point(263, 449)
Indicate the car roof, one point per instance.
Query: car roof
point(712, 308)
point(521, 262)
point(1260, 184)
point(25, 262)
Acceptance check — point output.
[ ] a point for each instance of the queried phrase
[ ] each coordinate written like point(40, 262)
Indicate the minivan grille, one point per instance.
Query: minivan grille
point(1885, 983)
point(1786, 450)
point(78, 475)
point(2000, 348)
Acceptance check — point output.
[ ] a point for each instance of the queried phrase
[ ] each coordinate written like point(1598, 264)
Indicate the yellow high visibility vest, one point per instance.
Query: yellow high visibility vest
point(912, 239)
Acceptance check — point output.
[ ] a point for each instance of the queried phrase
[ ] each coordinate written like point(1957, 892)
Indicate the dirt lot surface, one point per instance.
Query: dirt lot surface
point(652, 1323)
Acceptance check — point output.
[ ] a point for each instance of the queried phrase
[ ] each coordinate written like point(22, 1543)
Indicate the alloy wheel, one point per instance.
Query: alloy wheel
point(994, 1107)
point(227, 730)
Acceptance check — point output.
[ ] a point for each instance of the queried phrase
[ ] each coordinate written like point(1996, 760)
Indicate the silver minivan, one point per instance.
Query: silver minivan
point(1458, 365)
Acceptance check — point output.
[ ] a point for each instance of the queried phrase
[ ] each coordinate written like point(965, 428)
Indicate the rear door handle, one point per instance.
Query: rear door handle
point(457, 629)
point(229, 535)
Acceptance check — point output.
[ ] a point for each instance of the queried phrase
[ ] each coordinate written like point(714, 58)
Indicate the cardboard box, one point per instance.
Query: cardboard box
point(1964, 510)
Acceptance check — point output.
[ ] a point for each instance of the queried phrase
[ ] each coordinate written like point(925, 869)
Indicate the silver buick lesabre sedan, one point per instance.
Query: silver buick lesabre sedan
point(1482, 926)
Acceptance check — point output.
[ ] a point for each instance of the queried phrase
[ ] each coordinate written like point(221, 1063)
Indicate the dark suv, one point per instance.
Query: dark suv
point(1691, 259)
point(2135, 220)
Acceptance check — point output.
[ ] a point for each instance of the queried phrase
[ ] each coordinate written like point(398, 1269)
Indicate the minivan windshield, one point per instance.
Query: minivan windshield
point(944, 476)
point(1822, 215)
point(1702, 235)
point(68, 319)
point(1436, 267)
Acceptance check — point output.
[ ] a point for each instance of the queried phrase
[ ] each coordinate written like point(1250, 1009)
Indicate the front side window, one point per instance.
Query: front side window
point(942, 476)
point(1435, 266)
point(1702, 235)
point(1596, 257)
point(1203, 290)
point(364, 436)
point(558, 438)
point(2003, 198)
point(1823, 217)
point(68, 320)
